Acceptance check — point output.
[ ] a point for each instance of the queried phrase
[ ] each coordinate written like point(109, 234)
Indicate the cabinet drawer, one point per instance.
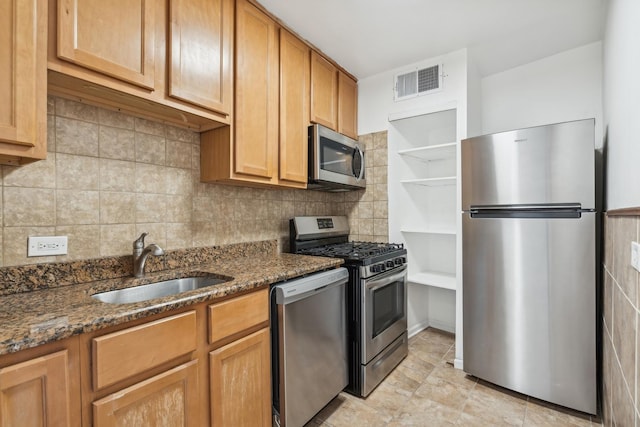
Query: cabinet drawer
point(235, 315)
point(125, 353)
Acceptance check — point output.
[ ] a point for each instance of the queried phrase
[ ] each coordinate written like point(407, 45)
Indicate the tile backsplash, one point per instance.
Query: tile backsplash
point(621, 317)
point(109, 177)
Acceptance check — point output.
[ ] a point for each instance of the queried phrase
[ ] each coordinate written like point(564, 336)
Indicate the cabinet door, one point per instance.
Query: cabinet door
point(347, 106)
point(36, 392)
point(324, 92)
point(256, 109)
point(23, 79)
point(200, 52)
point(241, 382)
point(114, 37)
point(168, 399)
point(294, 108)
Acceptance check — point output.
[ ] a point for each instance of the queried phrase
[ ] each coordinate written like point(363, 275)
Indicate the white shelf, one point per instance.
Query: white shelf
point(447, 231)
point(432, 182)
point(431, 152)
point(435, 279)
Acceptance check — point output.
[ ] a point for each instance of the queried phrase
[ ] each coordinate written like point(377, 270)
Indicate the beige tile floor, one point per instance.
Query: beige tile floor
point(425, 390)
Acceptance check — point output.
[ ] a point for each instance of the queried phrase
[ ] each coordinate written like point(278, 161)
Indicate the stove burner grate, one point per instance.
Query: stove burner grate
point(356, 250)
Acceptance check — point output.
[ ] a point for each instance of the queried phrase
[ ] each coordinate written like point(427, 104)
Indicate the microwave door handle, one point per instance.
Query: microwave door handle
point(384, 281)
point(359, 152)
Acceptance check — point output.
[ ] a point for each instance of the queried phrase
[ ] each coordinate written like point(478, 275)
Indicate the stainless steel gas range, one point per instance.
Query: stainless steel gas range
point(376, 296)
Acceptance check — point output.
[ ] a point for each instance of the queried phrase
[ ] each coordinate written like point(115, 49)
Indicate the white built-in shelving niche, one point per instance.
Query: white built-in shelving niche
point(423, 187)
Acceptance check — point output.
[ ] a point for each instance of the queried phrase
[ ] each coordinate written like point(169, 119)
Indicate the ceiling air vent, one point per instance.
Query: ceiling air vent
point(418, 82)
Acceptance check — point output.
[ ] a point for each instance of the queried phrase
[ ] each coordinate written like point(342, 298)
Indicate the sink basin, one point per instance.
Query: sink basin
point(158, 289)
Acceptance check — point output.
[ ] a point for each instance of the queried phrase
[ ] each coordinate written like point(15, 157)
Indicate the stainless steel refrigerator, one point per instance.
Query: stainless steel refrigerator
point(529, 261)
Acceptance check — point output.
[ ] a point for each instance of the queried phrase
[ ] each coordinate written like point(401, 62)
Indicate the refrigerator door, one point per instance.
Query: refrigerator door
point(529, 306)
point(541, 165)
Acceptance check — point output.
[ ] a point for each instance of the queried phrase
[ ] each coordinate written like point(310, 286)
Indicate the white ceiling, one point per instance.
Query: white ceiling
point(367, 37)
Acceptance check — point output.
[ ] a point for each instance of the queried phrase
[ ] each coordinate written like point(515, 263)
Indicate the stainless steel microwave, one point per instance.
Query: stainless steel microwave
point(336, 162)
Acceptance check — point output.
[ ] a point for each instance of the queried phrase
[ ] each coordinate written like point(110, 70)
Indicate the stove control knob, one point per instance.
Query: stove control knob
point(390, 264)
point(380, 267)
point(398, 261)
point(372, 269)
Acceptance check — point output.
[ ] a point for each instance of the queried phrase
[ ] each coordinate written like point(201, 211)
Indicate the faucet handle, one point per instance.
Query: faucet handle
point(139, 242)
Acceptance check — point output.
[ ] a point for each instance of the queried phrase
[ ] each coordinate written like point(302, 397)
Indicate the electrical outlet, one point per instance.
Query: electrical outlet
point(635, 255)
point(45, 246)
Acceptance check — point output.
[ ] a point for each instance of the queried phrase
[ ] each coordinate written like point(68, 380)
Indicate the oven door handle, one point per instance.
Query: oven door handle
point(376, 284)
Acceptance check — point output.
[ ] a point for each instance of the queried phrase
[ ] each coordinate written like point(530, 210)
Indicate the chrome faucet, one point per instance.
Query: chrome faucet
point(140, 254)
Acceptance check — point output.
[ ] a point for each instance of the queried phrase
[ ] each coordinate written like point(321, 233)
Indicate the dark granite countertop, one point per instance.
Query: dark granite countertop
point(29, 319)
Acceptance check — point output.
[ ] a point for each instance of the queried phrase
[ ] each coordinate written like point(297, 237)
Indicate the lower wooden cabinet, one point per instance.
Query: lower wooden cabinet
point(167, 399)
point(206, 364)
point(36, 392)
point(241, 382)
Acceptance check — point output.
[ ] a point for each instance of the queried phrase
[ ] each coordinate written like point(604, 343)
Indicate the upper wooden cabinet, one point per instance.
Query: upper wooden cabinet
point(251, 150)
point(347, 106)
point(23, 81)
point(200, 49)
point(115, 37)
point(256, 84)
point(324, 91)
point(294, 107)
point(334, 97)
point(124, 53)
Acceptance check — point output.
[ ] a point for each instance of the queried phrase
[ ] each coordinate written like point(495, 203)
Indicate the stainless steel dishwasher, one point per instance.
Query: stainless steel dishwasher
point(309, 345)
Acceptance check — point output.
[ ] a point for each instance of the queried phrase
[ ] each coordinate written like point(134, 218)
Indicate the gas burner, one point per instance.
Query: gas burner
point(353, 250)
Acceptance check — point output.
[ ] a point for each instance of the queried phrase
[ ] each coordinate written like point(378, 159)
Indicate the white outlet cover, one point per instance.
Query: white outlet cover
point(47, 245)
point(635, 255)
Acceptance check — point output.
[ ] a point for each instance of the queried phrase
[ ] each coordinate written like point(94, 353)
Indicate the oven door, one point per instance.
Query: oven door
point(384, 311)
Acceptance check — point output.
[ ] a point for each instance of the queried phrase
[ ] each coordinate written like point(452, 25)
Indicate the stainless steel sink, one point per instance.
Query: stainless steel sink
point(158, 289)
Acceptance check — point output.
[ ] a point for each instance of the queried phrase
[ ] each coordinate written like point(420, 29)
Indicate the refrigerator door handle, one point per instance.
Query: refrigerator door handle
point(528, 207)
point(527, 212)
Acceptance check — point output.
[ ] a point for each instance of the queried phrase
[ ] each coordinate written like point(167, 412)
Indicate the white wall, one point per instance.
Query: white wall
point(562, 87)
point(426, 306)
point(375, 93)
point(474, 97)
point(622, 103)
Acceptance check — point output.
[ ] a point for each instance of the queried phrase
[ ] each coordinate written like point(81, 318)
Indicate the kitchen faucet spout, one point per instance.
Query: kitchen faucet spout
point(140, 254)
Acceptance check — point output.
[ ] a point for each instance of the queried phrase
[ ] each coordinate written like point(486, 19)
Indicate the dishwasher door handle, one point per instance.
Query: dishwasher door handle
point(297, 289)
point(297, 296)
